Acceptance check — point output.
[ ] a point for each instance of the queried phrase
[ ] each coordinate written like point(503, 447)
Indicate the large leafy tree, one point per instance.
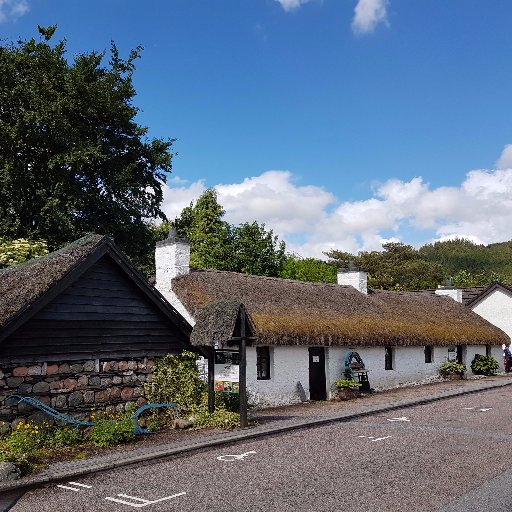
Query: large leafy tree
point(214, 243)
point(72, 157)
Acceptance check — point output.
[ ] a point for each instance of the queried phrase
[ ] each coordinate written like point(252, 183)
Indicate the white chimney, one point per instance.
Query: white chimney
point(352, 276)
point(172, 259)
point(450, 291)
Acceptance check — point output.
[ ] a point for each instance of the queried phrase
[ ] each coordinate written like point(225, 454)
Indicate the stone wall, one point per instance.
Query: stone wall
point(73, 388)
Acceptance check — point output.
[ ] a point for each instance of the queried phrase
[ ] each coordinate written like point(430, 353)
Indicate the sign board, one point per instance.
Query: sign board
point(226, 371)
point(452, 354)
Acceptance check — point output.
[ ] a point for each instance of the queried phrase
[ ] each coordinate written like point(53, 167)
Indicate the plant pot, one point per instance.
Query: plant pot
point(453, 376)
point(347, 393)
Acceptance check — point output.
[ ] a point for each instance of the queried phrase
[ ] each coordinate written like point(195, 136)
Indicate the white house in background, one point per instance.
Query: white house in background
point(494, 303)
point(304, 331)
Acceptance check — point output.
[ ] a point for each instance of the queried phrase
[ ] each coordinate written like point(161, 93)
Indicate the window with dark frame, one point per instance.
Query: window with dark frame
point(488, 350)
point(429, 351)
point(388, 358)
point(263, 363)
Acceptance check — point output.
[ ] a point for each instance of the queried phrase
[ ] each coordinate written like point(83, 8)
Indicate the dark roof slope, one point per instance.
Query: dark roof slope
point(24, 287)
point(471, 296)
point(290, 312)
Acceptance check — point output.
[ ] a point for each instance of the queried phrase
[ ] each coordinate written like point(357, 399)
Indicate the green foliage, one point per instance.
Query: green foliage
point(17, 251)
point(220, 418)
point(65, 436)
point(176, 380)
point(112, 431)
point(452, 367)
point(401, 267)
point(214, 243)
point(308, 269)
point(397, 267)
point(346, 383)
point(484, 365)
point(463, 278)
point(73, 159)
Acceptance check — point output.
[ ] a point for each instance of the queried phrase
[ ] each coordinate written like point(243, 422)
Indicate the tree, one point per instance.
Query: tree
point(308, 269)
point(397, 267)
point(214, 243)
point(13, 252)
point(256, 251)
point(72, 157)
point(209, 235)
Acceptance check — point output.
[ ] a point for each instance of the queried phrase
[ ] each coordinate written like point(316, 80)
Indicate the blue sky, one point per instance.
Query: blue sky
point(337, 123)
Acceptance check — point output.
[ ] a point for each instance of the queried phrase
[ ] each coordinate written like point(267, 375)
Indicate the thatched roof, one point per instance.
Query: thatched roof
point(23, 284)
point(218, 322)
point(287, 312)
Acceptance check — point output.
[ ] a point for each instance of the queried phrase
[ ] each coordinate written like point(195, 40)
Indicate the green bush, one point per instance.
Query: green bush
point(109, 432)
point(65, 436)
point(346, 383)
point(176, 380)
point(484, 365)
point(452, 367)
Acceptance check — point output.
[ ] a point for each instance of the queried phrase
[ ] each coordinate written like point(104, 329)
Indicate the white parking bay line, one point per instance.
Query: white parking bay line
point(81, 485)
point(144, 503)
point(76, 486)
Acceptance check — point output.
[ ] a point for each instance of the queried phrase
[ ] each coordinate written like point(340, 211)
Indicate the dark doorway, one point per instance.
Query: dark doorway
point(317, 388)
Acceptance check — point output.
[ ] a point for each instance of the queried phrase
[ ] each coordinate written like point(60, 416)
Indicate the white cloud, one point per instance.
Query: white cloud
point(290, 5)
point(312, 220)
point(12, 9)
point(505, 159)
point(368, 14)
point(179, 196)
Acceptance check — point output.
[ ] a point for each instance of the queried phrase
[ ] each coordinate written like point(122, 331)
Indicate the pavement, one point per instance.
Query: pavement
point(269, 422)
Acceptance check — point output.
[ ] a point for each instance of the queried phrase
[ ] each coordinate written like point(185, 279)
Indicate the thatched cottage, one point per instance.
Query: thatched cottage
point(303, 331)
point(80, 329)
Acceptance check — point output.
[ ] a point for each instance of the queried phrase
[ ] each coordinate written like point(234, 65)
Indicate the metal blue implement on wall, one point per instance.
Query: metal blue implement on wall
point(34, 402)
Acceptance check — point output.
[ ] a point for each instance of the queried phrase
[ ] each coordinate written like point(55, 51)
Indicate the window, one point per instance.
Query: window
point(263, 363)
point(488, 350)
point(388, 358)
point(429, 354)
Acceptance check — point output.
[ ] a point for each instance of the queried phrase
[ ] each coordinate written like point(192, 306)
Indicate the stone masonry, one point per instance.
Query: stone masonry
point(73, 388)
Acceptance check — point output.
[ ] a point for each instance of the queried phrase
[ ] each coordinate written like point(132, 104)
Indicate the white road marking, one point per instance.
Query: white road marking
point(144, 503)
point(75, 484)
point(373, 439)
point(81, 485)
point(468, 408)
point(231, 458)
point(485, 410)
point(403, 418)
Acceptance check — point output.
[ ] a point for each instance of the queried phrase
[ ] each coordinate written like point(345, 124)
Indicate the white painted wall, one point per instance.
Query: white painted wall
point(497, 309)
point(290, 364)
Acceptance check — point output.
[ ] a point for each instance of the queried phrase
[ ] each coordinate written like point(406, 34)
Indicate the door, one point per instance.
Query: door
point(317, 387)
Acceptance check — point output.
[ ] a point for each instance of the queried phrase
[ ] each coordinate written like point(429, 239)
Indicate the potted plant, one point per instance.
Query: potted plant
point(452, 370)
point(347, 388)
point(484, 365)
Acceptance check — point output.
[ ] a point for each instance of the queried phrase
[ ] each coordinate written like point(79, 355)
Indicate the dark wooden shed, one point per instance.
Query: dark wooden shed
point(81, 327)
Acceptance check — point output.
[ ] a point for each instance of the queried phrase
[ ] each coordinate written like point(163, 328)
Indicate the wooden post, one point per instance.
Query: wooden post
point(211, 382)
point(243, 372)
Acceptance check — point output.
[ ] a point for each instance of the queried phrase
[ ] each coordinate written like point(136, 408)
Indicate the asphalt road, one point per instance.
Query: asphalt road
point(451, 455)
